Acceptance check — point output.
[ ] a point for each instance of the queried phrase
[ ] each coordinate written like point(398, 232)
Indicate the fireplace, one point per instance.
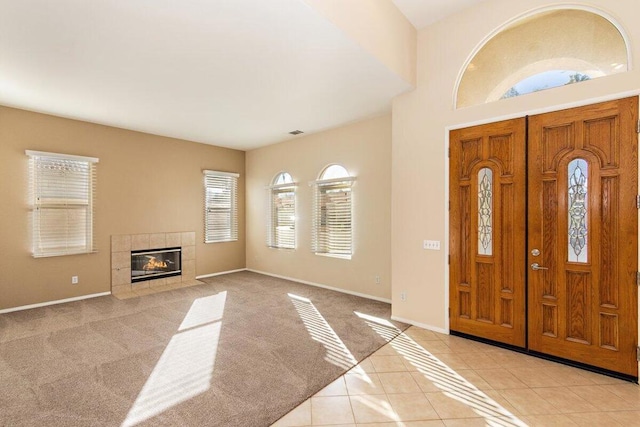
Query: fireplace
point(155, 264)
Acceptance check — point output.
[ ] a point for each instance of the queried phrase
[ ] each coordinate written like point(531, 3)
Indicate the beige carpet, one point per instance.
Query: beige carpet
point(241, 350)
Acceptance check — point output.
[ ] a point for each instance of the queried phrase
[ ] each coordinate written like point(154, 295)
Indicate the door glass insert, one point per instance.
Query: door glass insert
point(485, 214)
point(578, 199)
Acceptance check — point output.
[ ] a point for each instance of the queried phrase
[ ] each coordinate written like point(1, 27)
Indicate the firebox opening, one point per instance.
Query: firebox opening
point(155, 264)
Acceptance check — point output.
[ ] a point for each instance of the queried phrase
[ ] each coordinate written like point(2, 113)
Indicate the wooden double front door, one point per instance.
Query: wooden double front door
point(544, 233)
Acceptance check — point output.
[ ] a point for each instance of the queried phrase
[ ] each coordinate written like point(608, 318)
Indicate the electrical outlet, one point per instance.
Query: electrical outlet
point(377, 280)
point(403, 296)
point(74, 280)
point(433, 245)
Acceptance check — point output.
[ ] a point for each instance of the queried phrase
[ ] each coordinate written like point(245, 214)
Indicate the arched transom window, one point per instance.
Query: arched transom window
point(546, 50)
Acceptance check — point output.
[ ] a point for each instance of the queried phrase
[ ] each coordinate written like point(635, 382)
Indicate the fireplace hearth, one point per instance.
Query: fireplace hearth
point(155, 263)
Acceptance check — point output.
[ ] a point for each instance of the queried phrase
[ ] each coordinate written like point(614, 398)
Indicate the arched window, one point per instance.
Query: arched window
point(282, 178)
point(281, 232)
point(332, 213)
point(546, 50)
point(333, 172)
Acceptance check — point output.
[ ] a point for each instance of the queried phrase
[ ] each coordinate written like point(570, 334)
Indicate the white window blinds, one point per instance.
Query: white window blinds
point(332, 212)
point(220, 206)
point(62, 200)
point(281, 229)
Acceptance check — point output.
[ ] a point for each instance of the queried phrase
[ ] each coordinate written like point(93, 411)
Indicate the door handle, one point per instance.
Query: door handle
point(535, 266)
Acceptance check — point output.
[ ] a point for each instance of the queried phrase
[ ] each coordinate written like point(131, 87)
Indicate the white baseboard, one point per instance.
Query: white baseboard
point(204, 276)
point(320, 285)
point(60, 301)
point(420, 325)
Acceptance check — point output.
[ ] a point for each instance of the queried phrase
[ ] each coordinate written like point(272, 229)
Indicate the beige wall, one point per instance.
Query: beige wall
point(379, 27)
point(146, 184)
point(421, 120)
point(364, 148)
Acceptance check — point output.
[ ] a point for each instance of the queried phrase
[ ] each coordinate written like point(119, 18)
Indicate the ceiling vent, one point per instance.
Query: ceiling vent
point(296, 132)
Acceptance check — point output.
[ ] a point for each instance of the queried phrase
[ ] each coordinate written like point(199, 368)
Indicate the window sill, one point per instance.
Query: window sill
point(339, 256)
point(283, 248)
point(220, 241)
point(56, 254)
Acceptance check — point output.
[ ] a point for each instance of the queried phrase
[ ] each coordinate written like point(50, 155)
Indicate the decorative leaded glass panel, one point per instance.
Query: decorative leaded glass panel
point(578, 199)
point(485, 211)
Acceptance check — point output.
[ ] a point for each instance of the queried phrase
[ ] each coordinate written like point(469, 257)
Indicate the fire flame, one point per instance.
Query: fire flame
point(153, 264)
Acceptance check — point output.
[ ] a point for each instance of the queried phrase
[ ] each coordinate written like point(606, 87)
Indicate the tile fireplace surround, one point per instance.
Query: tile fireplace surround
point(123, 244)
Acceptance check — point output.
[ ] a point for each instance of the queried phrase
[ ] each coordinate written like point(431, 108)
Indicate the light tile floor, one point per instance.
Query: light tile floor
point(424, 379)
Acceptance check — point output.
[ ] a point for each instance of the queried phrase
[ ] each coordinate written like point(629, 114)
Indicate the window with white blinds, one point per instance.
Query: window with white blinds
point(62, 193)
point(332, 213)
point(220, 206)
point(281, 223)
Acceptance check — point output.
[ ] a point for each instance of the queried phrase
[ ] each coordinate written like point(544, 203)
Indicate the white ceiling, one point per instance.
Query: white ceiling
point(422, 13)
point(234, 73)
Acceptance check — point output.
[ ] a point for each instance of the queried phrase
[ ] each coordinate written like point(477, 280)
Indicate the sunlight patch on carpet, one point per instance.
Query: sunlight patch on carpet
point(185, 368)
point(320, 331)
point(449, 381)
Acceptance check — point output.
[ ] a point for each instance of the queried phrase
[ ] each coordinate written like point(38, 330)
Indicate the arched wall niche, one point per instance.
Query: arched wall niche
point(543, 49)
